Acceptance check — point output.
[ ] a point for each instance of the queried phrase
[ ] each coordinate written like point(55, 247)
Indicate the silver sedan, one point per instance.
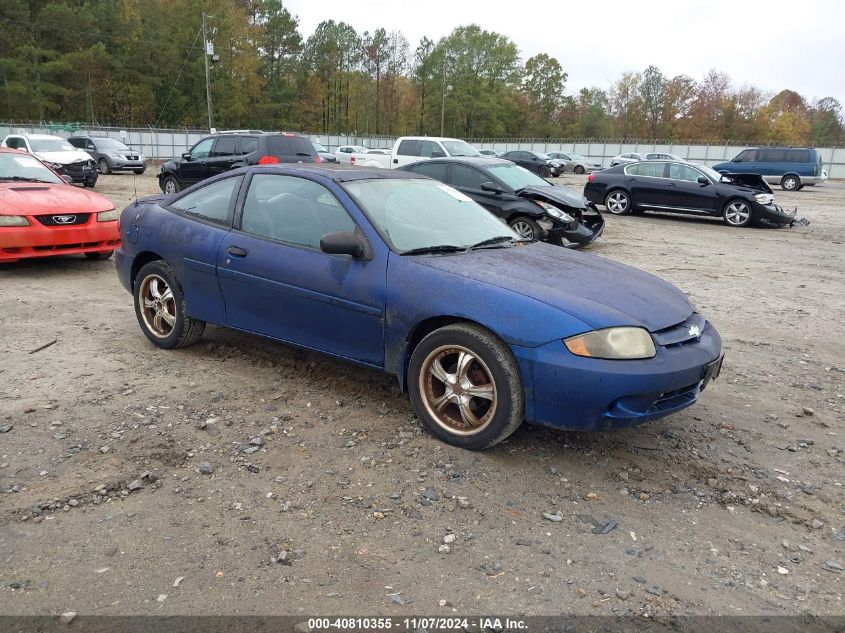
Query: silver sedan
point(575, 162)
point(636, 157)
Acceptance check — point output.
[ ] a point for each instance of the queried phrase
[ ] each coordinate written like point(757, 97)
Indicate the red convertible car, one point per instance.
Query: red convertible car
point(41, 214)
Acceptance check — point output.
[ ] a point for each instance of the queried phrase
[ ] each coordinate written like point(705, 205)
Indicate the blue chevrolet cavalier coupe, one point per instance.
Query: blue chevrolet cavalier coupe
point(405, 274)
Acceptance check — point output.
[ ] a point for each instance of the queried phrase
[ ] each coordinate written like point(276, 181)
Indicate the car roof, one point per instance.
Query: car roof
point(12, 150)
point(40, 137)
point(479, 161)
point(335, 174)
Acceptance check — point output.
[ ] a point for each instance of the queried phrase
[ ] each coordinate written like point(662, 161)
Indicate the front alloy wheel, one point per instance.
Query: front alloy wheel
point(526, 228)
point(737, 213)
point(465, 386)
point(618, 202)
point(103, 166)
point(170, 186)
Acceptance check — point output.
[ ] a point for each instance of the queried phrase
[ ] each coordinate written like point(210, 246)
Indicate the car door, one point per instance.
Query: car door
point(645, 182)
point(192, 170)
point(222, 156)
point(771, 163)
point(277, 282)
point(468, 180)
point(683, 192)
point(204, 219)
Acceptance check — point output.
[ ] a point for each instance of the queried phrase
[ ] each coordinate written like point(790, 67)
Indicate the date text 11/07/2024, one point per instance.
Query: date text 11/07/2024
point(416, 623)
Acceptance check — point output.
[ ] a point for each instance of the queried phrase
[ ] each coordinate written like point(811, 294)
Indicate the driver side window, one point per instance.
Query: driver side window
point(428, 148)
point(202, 149)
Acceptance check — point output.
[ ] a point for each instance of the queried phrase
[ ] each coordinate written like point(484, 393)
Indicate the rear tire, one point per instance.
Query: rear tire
point(526, 227)
point(618, 202)
point(790, 182)
point(161, 309)
point(466, 387)
point(578, 169)
point(99, 255)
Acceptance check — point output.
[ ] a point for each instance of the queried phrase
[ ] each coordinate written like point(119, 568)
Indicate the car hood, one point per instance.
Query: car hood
point(42, 199)
point(746, 182)
point(597, 291)
point(555, 193)
point(64, 157)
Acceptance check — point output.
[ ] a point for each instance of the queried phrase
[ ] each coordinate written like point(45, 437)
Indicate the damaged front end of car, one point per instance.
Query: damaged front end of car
point(769, 213)
point(571, 220)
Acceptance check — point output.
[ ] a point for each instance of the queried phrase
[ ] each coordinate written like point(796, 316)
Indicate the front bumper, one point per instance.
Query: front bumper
point(80, 172)
point(118, 163)
point(585, 394)
point(774, 215)
point(585, 232)
point(23, 242)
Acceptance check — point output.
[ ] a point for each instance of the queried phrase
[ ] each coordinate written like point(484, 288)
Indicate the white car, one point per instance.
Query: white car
point(56, 152)
point(345, 153)
point(636, 157)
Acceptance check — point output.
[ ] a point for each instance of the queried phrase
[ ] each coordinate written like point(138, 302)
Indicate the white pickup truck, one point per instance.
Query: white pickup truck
point(406, 150)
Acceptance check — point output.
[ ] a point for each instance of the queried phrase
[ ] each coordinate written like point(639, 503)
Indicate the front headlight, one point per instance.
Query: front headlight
point(764, 198)
point(57, 165)
point(107, 216)
point(615, 343)
point(556, 213)
point(13, 220)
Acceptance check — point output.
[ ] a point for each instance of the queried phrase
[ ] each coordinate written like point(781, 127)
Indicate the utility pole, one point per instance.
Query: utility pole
point(205, 60)
point(443, 97)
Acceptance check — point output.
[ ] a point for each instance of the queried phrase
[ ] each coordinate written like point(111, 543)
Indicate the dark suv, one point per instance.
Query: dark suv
point(110, 154)
point(227, 150)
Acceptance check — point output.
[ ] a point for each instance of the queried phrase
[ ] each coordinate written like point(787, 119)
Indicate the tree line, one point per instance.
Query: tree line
point(141, 62)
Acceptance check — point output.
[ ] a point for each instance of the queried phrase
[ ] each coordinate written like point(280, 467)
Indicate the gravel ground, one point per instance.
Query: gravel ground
point(240, 476)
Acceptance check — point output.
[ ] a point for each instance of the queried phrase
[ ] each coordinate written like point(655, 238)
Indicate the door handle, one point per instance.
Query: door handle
point(632, 180)
point(236, 251)
point(671, 184)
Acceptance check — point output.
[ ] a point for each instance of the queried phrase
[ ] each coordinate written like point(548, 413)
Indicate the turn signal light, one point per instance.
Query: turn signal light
point(268, 160)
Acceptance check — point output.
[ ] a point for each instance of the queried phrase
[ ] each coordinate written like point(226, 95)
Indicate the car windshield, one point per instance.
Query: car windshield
point(50, 145)
point(23, 167)
point(320, 148)
point(575, 156)
point(516, 177)
point(459, 148)
point(420, 213)
point(541, 155)
point(111, 143)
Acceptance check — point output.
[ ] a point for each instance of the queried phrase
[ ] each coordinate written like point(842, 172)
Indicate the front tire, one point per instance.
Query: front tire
point(618, 202)
point(161, 309)
point(578, 169)
point(170, 185)
point(544, 171)
point(790, 182)
point(737, 213)
point(140, 170)
point(103, 166)
point(466, 387)
point(526, 228)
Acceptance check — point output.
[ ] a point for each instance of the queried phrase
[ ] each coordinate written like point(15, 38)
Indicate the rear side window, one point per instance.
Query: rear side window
point(225, 146)
point(433, 170)
point(249, 144)
point(799, 156)
point(409, 147)
point(772, 156)
point(291, 146)
point(652, 169)
point(429, 148)
point(213, 202)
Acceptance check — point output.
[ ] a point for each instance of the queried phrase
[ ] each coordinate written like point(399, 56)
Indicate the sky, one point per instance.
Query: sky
point(772, 45)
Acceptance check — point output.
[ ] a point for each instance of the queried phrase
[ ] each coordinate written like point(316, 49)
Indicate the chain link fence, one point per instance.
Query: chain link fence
point(167, 143)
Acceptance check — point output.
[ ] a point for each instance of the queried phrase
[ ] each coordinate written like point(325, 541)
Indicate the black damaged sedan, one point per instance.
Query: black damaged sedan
point(739, 199)
point(531, 206)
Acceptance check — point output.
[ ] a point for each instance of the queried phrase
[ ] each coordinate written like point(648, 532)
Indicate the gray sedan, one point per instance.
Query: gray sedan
point(576, 162)
point(635, 157)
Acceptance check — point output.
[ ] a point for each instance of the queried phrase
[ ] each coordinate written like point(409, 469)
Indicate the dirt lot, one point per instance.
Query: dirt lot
point(735, 506)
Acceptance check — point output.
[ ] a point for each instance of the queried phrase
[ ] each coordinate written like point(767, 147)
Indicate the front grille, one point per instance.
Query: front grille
point(81, 167)
point(51, 220)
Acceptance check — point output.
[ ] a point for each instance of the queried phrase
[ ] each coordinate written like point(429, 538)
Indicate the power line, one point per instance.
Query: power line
point(179, 74)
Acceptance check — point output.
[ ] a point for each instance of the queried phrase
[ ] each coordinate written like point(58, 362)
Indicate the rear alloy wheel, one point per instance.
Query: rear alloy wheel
point(161, 309)
point(103, 166)
point(466, 387)
point(737, 213)
point(99, 255)
point(544, 171)
point(170, 185)
point(618, 202)
point(790, 183)
point(526, 228)
point(578, 169)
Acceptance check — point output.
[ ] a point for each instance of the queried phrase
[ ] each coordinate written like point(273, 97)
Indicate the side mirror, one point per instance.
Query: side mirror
point(703, 180)
point(491, 187)
point(342, 243)
point(438, 154)
point(186, 155)
point(67, 179)
point(736, 160)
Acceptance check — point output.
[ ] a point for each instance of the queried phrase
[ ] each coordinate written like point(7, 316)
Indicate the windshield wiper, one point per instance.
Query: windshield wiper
point(437, 248)
point(24, 179)
point(492, 241)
